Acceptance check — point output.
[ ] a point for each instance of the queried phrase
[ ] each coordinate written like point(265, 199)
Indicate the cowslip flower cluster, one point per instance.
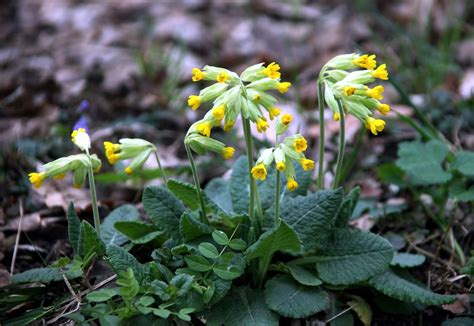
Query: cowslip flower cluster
point(79, 164)
point(283, 155)
point(345, 82)
point(134, 149)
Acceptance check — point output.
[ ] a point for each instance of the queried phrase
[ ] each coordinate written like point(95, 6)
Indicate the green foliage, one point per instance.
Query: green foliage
point(73, 227)
point(362, 309)
point(303, 276)
point(191, 228)
point(399, 288)
point(352, 256)
point(218, 190)
point(423, 162)
point(140, 232)
point(347, 207)
point(121, 261)
point(239, 185)
point(89, 242)
point(407, 260)
point(109, 234)
point(47, 274)
point(313, 216)
point(464, 163)
point(290, 299)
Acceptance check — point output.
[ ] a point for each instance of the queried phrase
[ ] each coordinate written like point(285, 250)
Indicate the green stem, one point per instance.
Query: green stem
point(197, 184)
point(277, 197)
point(95, 207)
point(163, 175)
point(321, 135)
point(342, 145)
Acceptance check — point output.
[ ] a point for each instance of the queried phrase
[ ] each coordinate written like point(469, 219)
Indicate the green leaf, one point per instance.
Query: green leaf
point(108, 233)
point(352, 256)
point(191, 228)
point(45, 275)
point(391, 174)
point(407, 260)
point(182, 283)
point(460, 190)
point(198, 263)
point(218, 190)
point(242, 306)
point(293, 300)
point(220, 237)
point(362, 309)
point(399, 288)
point(121, 260)
point(347, 207)
point(303, 275)
point(279, 238)
point(27, 318)
point(464, 163)
point(164, 209)
point(89, 241)
point(226, 272)
point(73, 227)
point(239, 185)
point(135, 229)
point(423, 162)
point(129, 286)
point(313, 216)
point(101, 295)
point(208, 250)
point(162, 313)
point(237, 244)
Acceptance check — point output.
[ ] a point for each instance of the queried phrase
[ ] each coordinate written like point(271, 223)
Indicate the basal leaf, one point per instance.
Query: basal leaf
point(164, 209)
point(352, 256)
point(399, 288)
point(89, 241)
point(108, 232)
point(45, 275)
point(218, 190)
point(303, 275)
point(464, 163)
point(407, 260)
point(423, 162)
point(101, 295)
point(242, 306)
point(73, 227)
point(121, 260)
point(293, 300)
point(312, 216)
point(191, 228)
point(239, 185)
point(347, 207)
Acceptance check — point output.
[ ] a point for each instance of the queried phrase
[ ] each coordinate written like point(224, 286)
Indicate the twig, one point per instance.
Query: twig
point(341, 313)
point(17, 240)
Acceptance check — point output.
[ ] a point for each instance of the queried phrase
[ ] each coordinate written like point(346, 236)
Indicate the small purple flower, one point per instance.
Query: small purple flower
point(83, 106)
point(82, 123)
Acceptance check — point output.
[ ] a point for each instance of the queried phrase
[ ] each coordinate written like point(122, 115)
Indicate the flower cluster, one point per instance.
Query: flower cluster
point(283, 154)
point(136, 150)
point(79, 164)
point(345, 82)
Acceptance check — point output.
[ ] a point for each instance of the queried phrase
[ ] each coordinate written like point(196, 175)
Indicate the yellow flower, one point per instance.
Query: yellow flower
point(336, 116)
point(262, 125)
point(81, 139)
point(274, 112)
point(218, 113)
point(229, 125)
point(380, 72)
point(281, 166)
point(128, 170)
point(222, 77)
point(59, 176)
point(349, 90)
point(259, 172)
point(300, 145)
point(374, 125)
point(366, 61)
point(37, 179)
point(110, 150)
point(283, 87)
point(198, 74)
point(194, 101)
point(383, 108)
point(286, 119)
point(228, 152)
point(112, 158)
point(307, 164)
point(375, 92)
point(257, 97)
point(291, 184)
point(272, 70)
point(204, 128)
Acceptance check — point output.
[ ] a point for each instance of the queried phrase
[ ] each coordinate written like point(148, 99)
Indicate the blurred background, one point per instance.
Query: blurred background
point(123, 69)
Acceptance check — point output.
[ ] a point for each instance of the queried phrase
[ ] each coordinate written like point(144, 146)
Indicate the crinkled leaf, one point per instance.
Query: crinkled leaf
point(108, 233)
point(423, 162)
point(101, 295)
point(291, 299)
point(191, 228)
point(399, 288)
point(183, 283)
point(218, 190)
point(352, 256)
point(347, 207)
point(303, 275)
point(121, 260)
point(89, 241)
point(239, 185)
point(464, 163)
point(313, 216)
point(407, 260)
point(73, 227)
point(164, 209)
point(45, 275)
point(242, 306)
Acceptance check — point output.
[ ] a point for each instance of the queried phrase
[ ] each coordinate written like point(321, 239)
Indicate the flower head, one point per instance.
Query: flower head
point(128, 170)
point(259, 172)
point(272, 70)
point(307, 164)
point(375, 92)
point(229, 125)
point(300, 144)
point(349, 90)
point(374, 125)
point(366, 61)
point(281, 166)
point(228, 152)
point(383, 108)
point(336, 116)
point(37, 179)
point(135, 149)
point(204, 128)
point(198, 74)
point(222, 77)
point(262, 125)
point(286, 119)
point(273, 112)
point(194, 101)
point(291, 184)
point(81, 139)
point(283, 87)
point(380, 72)
point(218, 112)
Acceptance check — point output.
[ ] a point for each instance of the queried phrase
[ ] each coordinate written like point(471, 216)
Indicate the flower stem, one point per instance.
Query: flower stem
point(197, 184)
point(277, 197)
point(249, 147)
point(342, 145)
point(321, 135)
point(95, 207)
point(163, 175)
